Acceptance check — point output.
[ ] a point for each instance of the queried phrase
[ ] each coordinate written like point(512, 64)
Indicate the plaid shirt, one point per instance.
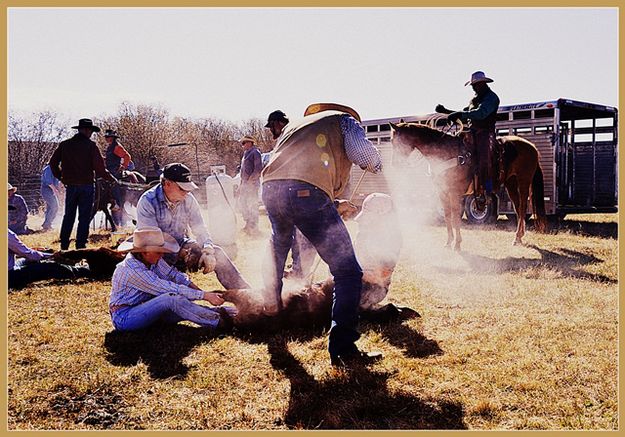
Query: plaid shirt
point(134, 283)
point(358, 148)
point(153, 209)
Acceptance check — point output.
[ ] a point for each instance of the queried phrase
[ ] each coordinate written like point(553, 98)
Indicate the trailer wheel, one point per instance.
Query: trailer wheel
point(477, 217)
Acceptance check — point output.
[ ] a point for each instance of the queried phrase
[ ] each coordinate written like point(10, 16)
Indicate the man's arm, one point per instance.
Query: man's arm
point(123, 154)
point(150, 282)
point(19, 248)
point(358, 148)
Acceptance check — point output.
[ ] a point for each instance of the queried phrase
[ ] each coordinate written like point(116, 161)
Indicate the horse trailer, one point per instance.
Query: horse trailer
point(578, 146)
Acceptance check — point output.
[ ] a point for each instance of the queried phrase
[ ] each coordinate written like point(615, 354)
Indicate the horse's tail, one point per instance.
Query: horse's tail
point(538, 199)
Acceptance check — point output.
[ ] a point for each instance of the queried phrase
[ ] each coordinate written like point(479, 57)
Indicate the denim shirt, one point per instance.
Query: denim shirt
point(153, 209)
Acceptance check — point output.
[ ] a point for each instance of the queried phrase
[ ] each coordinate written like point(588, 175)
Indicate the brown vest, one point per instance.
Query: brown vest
point(312, 150)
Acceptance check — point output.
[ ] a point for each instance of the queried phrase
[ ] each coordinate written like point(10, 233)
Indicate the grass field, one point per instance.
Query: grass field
point(508, 338)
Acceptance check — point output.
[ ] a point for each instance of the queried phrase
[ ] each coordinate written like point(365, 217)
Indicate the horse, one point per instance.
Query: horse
point(134, 185)
point(453, 172)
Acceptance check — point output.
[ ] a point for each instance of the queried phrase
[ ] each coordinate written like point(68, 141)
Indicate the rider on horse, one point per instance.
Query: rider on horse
point(481, 115)
point(117, 160)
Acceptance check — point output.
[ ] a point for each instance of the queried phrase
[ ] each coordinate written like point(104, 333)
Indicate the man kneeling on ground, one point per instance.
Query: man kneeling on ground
point(147, 290)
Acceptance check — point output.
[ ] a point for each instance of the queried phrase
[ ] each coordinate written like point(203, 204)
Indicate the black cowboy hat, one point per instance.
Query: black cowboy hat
point(276, 115)
point(86, 122)
point(111, 133)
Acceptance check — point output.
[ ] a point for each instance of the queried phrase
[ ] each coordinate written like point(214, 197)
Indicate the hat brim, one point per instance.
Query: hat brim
point(187, 186)
point(486, 79)
point(170, 246)
point(94, 128)
point(319, 107)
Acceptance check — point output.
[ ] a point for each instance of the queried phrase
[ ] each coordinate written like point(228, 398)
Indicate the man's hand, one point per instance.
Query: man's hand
point(213, 298)
point(207, 261)
point(346, 209)
point(454, 116)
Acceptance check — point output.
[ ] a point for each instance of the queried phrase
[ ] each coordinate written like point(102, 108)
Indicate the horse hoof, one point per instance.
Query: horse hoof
point(517, 243)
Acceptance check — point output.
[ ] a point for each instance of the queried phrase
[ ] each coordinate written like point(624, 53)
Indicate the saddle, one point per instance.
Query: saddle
point(497, 161)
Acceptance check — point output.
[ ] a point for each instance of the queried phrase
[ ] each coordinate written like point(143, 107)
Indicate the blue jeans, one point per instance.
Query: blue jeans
point(77, 197)
point(52, 206)
point(26, 272)
point(167, 308)
point(292, 203)
point(303, 254)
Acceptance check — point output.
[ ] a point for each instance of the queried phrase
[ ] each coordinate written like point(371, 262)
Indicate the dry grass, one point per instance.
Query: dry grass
point(509, 338)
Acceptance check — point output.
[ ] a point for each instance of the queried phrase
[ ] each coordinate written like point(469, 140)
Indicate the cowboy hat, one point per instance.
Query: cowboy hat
point(318, 107)
point(375, 205)
point(111, 133)
point(86, 122)
point(149, 239)
point(478, 76)
point(277, 115)
point(247, 138)
point(12, 188)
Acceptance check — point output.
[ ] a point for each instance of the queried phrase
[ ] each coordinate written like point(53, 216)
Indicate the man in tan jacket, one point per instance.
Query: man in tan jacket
point(308, 170)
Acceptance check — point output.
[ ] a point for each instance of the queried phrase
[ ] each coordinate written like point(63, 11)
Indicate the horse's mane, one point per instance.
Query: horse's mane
point(424, 132)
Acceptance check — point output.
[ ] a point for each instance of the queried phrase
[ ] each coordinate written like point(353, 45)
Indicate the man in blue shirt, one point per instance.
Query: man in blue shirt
point(50, 190)
point(251, 166)
point(19, 213)
point(171, 207)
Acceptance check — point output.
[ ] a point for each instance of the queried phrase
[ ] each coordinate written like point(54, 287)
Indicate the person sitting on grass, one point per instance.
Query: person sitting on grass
point(19, 214)
point(145, 289)
point(34, 265)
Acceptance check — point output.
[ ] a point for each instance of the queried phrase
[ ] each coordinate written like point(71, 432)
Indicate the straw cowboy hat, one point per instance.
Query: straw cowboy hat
point(149, 239)
point(247, 138)
point(375, 206)
point(318, 107)
point(12, 188)
point(478, 76)
point(86, 122)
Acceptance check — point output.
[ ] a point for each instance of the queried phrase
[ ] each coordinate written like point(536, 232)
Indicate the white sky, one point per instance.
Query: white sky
point(238, 63)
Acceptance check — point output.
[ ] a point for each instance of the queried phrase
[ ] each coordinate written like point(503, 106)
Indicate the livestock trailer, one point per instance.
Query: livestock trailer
point(578, 146)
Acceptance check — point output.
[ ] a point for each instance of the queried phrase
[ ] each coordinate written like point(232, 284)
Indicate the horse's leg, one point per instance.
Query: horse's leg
point(512, 185)
point(444, 198)
point(524, 192)
point(455, 219)
point(109, 217)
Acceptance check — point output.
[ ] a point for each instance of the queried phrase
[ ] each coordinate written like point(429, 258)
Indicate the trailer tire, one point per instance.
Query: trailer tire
point(477, 217)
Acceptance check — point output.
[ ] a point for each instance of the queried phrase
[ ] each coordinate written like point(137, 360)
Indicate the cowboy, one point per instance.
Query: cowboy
point(117, 159)
point(19, 214)
point(171, 207)
point(76, 162)
point(481, 115)
point(309, 168)
point(33, 265)
point(50, 192)
point(251, 167)
point(145, 289)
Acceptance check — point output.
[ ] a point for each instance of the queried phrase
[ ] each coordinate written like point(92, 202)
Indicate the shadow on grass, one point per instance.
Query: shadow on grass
point(567, 263)
point(356, 399)
point(608, 230)
point(161, 348)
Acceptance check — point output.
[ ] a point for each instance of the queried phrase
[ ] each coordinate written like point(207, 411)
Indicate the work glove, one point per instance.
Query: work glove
point(207, 261)
point(345, 208)
point(454, 116)
point(440, 108)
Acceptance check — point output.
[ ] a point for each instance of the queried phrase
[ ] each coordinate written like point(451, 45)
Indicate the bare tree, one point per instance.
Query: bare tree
point(32, 140)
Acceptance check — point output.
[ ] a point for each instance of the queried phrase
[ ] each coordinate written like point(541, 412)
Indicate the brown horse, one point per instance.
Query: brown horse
point(453, 172)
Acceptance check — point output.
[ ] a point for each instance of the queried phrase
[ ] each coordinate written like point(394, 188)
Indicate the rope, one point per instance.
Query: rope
point(223, 191)
point(357, 185)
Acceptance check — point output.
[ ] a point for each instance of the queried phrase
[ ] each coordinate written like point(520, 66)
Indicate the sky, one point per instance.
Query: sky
point(241, 63)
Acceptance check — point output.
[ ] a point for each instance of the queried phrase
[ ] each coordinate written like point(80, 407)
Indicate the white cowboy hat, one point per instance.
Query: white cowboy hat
point(375, 205)
point(12, 188)
point(149, 239)
point(478, 76)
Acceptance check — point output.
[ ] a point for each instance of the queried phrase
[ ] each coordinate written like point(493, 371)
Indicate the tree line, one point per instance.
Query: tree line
point(145, 131)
